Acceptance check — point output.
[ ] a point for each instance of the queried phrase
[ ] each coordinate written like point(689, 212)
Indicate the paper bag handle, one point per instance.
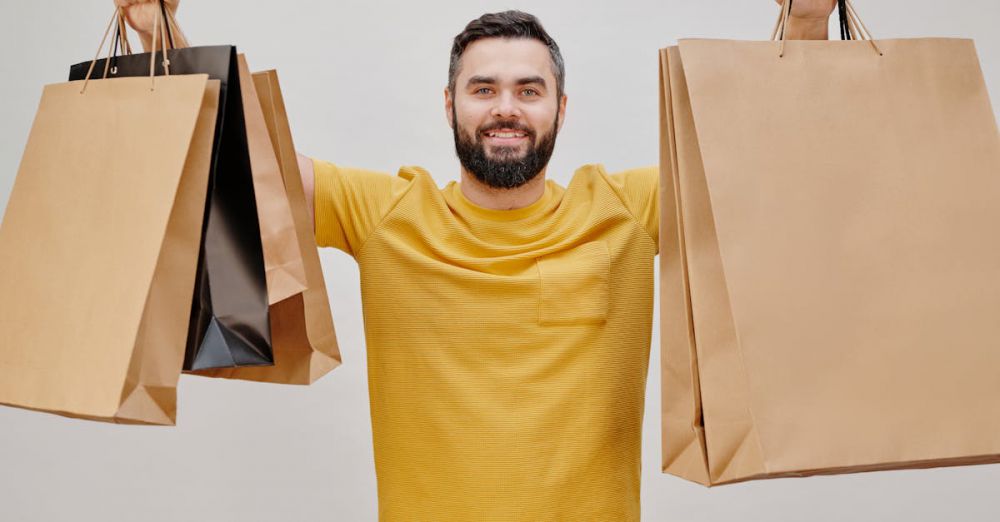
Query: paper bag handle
point(851, 25)
point(120, 40)
point(123, 32)
point(158, 23)
point(168, 24)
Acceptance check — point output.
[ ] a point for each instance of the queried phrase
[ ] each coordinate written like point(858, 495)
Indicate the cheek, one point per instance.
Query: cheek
point(542, 119)
point(471, 115)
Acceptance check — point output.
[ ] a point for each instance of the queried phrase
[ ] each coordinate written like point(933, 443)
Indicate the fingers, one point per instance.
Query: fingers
point(811, 8)
point(128, 3)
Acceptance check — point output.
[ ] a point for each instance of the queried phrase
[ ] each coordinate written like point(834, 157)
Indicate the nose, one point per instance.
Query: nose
point(506, 106)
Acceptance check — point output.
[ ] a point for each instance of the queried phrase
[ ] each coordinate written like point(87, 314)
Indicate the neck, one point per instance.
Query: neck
point(502, 199)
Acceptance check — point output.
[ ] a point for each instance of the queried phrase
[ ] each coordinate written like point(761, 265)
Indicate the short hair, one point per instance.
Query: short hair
point(507, 24)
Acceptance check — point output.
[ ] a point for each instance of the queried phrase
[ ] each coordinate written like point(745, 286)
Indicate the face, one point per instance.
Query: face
point(505, 112)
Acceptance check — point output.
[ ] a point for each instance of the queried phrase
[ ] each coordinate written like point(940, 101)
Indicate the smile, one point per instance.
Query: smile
point(504, 134)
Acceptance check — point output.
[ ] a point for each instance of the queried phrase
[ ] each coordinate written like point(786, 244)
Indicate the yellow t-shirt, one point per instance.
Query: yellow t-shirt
point(507, 349)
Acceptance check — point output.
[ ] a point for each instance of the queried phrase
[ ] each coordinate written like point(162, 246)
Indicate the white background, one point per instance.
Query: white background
point(363, 82)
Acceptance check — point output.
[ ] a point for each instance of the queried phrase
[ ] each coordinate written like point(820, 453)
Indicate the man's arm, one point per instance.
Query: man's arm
point(308, 185)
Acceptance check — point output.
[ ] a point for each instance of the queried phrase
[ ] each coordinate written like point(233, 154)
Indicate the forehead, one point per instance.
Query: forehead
point(506, 59)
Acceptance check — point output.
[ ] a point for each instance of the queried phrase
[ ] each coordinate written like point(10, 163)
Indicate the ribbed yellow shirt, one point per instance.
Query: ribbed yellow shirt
point(507, 349)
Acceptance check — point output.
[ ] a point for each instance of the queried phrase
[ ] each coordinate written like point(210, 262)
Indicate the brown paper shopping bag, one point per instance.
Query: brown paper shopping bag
point(284, 273)
point(282, 256)
point(99, 247)
point(305, 343)
point(830, 281)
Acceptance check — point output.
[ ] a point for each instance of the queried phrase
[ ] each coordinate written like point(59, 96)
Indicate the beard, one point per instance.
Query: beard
point(504, 169)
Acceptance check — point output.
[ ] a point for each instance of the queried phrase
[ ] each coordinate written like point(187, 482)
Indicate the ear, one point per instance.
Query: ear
point(449, 102)
point(562, 112)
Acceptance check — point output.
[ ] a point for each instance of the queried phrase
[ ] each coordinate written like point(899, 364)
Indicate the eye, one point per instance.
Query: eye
point(529, 92)
point(483, 90)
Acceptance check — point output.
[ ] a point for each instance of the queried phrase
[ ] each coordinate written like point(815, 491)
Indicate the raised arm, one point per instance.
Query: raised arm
point(308, 185)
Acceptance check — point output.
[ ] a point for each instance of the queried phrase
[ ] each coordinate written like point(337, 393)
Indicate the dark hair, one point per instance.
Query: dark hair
point(508, 24)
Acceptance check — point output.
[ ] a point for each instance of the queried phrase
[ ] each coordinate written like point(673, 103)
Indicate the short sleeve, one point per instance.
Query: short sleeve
point(640, 192)
point(350, 203)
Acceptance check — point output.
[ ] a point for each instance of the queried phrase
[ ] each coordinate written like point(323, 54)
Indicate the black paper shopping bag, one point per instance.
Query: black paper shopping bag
point(229, 312)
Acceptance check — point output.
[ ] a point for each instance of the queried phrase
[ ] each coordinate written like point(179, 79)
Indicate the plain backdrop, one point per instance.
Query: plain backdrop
point(363, 83)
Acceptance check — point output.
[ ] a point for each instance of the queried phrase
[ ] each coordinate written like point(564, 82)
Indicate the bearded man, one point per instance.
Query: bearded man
point(507, 318)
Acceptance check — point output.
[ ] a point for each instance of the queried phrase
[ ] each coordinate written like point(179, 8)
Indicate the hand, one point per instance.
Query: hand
point(809, 19)
point(811, 9)
point(140, 14)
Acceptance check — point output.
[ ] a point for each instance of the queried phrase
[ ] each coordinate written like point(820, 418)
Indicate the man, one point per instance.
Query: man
point(507, 318)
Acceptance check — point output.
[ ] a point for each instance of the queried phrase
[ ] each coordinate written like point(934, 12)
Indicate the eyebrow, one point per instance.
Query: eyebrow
point(529, 80)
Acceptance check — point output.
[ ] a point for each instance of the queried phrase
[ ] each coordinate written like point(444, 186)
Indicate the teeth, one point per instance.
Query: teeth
point(506, 134)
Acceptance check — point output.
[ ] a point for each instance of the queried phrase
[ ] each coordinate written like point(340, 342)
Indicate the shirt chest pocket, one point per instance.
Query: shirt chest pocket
point(574, 285)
